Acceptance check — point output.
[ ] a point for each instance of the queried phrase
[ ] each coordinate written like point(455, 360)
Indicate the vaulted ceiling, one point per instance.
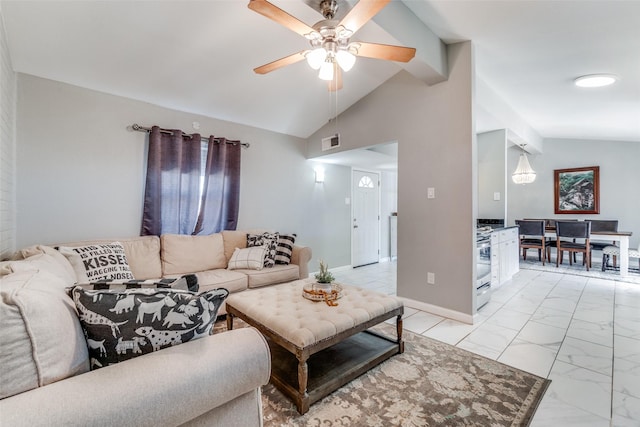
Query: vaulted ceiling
point(198, 56)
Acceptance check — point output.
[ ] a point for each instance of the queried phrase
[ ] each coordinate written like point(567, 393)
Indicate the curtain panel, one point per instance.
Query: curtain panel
point(192, 187)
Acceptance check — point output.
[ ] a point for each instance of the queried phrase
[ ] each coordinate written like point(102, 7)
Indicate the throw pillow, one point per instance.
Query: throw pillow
point(285, 248)
point(270, 241)
point(41, 340)
point(188, 282)
point(120, 325)
point(98, 262)
point(248, 258)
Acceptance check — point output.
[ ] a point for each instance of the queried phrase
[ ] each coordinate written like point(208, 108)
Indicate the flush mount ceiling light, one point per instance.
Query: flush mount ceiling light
point(523, 174)
point(596, 80)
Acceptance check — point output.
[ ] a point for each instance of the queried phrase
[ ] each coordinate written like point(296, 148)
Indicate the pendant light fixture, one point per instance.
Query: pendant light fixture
point(523, 174)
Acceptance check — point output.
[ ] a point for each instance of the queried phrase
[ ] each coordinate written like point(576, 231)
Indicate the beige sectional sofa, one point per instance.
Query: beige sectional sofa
point(44, 362)
point(172, 255)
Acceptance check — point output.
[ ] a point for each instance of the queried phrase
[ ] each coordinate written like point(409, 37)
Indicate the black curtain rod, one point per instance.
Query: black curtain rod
point(139, 128)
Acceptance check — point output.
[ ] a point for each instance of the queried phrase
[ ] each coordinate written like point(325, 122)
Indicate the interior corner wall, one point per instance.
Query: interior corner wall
point(492, 175)
point(7, 149)
point(436, 148)
point(619, 178)
point(81, 171)
point(388, 205)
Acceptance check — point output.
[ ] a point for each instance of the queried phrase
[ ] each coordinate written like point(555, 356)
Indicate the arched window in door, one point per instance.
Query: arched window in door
point(365, 182)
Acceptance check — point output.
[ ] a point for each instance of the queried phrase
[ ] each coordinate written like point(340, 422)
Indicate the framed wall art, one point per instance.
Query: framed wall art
point(577, 190)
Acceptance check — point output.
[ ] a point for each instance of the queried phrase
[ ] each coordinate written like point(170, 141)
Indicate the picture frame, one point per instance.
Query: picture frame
point(577, 190)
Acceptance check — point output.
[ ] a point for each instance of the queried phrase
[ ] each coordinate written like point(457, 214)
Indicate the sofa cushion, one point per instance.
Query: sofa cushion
point(248, 258)
point(183, 254)
point(233, 239)
point(98, 262)
point(120, 325)
point(143, 254)
point(285, 248)
point(269, 241)
point(236, 239)
point(55, 264)
point(41, 340)
point(269, 276)
point(222, 278)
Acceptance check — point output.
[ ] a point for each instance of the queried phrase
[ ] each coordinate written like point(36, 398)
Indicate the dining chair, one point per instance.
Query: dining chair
point(573, 237)
point(602, 225)
point(531, 234)
point(614, 251)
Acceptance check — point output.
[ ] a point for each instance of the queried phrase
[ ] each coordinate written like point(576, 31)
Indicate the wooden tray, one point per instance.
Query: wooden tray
point(315, 292)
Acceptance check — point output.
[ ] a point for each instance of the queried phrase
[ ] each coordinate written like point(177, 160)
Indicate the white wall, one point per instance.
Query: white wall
point(619, 178)
point(436, 148)
point(7, 149)
point(492, 161)
point(81, 172)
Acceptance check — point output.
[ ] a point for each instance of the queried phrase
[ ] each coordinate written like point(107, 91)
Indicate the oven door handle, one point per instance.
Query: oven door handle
point(484, 288)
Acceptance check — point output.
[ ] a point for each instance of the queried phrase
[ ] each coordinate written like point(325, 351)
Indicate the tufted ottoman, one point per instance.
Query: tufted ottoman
point(316, 348)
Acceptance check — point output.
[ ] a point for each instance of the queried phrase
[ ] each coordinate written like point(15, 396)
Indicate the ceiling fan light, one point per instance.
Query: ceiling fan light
point(326, 71)
point(346, 59)
point(343, 33)
point(316, 57)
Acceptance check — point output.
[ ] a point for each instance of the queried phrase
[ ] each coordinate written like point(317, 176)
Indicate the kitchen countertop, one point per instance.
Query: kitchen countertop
point(503, 228)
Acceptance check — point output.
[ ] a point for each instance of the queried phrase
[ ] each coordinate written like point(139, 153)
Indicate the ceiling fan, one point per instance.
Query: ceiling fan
point(331, 50)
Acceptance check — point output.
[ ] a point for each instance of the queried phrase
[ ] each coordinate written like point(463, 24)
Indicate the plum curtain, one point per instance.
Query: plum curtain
point(192, 185)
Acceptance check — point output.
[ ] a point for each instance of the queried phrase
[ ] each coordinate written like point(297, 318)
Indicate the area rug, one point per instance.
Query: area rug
point(578, 269)
point(430, 384)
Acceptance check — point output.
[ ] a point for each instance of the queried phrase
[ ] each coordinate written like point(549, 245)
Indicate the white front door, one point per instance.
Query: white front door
point(366, 218)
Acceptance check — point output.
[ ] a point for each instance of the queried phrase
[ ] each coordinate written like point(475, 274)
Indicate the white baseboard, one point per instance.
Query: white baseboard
point(342, 268)
point(438, 311)
point(333, 270)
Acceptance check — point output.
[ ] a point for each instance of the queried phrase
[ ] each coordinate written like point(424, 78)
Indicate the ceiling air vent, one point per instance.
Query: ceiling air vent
point(331, 142)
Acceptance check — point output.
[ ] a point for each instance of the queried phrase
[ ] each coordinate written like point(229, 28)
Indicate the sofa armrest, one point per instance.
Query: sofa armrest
point(164, 388)
point(301, 255)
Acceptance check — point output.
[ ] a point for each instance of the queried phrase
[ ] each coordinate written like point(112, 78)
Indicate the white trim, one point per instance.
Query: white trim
point(333, 270)
point(342, 268)
point(439, 311)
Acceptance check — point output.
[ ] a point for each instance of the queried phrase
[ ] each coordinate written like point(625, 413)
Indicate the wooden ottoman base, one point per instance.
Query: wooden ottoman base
point(328, 369)
point(307, 372)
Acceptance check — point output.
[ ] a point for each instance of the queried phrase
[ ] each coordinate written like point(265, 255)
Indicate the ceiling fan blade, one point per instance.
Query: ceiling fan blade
point(279, 63)
point(264, 8)
point(386, 52)
point(335, 84)
point(361, 13)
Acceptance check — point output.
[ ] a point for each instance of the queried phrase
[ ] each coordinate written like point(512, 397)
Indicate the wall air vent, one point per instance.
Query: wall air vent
point(331, 142)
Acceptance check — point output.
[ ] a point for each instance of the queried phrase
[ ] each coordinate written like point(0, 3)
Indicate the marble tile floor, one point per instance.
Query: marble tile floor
point(581, 332)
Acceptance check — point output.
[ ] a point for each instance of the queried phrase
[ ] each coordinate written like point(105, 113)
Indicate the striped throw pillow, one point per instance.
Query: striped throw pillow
point(285, 248)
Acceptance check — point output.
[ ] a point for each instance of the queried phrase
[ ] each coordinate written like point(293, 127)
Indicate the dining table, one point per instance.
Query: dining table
point(614, 236)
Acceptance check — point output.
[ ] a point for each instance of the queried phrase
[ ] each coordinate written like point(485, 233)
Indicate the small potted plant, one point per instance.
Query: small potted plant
point(324, 278)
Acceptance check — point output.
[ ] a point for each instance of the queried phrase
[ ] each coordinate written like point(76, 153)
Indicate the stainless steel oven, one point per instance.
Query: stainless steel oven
point(483, 267)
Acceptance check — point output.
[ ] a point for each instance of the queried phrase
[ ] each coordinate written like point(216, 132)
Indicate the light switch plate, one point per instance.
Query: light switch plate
point(431, 193)
point(496, 196)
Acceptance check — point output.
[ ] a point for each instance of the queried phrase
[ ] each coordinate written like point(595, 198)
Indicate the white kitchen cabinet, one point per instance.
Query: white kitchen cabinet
point(505, 259)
